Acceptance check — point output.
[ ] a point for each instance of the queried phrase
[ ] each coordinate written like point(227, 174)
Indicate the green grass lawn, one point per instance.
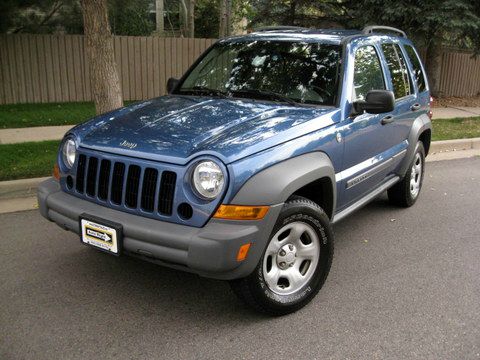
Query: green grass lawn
point(29, 115)
point(36, 159)
point(459, 128)
point(27, 160)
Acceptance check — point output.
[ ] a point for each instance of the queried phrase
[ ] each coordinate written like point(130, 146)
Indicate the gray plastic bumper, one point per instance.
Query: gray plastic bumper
point(209, 251)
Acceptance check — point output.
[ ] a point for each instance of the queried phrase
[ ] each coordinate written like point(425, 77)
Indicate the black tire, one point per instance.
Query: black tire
point(253, 289)
point(400, 194)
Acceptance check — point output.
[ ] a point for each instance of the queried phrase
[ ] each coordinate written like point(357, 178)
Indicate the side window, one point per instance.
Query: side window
point(417, 68)
point(367, 72)
point(402, 85)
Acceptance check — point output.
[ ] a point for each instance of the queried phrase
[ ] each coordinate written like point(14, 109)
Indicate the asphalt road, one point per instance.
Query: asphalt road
point(405, 284)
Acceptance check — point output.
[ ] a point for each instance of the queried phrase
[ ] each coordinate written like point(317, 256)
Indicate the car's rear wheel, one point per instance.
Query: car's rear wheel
point(405, 193)
point(295, 263)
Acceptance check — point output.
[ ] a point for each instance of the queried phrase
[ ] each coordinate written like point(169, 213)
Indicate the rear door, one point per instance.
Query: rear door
point(419, 81)
point(407, 104)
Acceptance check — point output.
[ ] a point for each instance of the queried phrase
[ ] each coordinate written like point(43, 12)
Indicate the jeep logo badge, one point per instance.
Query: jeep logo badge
point(129, 145)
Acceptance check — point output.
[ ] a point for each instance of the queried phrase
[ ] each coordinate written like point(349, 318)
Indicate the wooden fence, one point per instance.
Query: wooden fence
point(54, 68)
point(460, 74)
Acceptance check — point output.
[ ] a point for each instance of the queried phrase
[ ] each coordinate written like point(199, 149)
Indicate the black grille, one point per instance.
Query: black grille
point(103, 179)
point(132, 185)
point(82, 160)
point(92, 175)
point(117, 183)
point(167, 191)
point(133, 180)
point(148, 189)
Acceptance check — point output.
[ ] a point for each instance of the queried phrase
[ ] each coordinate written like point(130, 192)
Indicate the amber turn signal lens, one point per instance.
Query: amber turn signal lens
point(56, 172)
point(241, 212)
point(243, 251)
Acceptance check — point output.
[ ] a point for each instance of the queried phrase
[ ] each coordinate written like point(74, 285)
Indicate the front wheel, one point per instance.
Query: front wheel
point(295, 263)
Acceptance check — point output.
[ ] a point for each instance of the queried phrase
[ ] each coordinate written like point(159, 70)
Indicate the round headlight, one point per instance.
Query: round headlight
point(208, 180)
point(69, 150)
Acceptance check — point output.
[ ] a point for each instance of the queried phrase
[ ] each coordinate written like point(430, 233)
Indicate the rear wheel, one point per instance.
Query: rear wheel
point(296, 261)
point(405, 193)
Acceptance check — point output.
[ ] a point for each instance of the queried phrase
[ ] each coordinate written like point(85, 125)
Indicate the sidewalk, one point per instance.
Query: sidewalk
point(455, 112)
point(42, 133)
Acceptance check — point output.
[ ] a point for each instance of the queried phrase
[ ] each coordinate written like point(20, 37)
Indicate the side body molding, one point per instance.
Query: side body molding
point(275, 184)
point(420, 124)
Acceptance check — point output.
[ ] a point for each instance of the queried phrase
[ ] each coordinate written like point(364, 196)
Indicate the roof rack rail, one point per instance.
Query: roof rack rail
point(374, 28)
point(275, 28)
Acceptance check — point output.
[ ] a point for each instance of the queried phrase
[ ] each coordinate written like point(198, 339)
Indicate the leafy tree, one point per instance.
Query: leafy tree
point(206, 18)
point(307, 13)
point(40, 16)
point(129, 17)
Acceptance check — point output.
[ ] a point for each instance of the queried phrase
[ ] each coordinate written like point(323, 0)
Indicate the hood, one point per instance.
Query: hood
point(177, 128)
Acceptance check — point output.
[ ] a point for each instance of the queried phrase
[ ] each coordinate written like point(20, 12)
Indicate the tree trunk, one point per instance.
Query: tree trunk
point(225, 18)
point(183, 15)
point(433, 64)
point(106, 89)
point(292, 15)
point(191, 18)
point(159, 17)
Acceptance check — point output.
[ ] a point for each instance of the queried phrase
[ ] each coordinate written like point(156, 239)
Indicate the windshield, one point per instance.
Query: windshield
point(276, 70)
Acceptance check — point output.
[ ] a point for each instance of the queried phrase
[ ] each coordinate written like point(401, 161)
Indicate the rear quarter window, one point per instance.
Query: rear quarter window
point(417, 68)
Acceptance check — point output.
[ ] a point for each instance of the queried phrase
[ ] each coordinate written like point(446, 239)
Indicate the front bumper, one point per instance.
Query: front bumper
point(209, 251)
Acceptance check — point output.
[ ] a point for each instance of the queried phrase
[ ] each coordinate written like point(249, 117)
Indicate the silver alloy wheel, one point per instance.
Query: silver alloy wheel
point(291, 258)
point(416, 176)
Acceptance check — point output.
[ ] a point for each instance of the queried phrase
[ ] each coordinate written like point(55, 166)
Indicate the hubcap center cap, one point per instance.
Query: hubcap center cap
point(286, 256)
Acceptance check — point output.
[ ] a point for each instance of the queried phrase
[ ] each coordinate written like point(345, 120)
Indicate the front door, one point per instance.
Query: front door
point(370, 140)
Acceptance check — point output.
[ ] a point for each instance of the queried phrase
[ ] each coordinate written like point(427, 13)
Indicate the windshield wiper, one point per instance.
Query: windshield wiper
point(205, 90)
point(266, 93)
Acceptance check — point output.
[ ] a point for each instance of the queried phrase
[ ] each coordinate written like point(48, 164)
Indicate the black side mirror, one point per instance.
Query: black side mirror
point(376, 102)
point(172, 84)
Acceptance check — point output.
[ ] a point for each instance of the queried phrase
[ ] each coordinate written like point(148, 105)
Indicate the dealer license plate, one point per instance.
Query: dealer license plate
point(101, 234)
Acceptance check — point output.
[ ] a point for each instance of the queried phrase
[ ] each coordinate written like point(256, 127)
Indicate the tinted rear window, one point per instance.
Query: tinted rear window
point(417, 68)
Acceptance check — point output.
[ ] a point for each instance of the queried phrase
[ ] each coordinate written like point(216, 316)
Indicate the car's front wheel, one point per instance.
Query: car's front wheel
point(295, 263)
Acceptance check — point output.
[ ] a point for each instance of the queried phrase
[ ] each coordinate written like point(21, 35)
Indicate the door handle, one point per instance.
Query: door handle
point(387, 120)
point(415, 107)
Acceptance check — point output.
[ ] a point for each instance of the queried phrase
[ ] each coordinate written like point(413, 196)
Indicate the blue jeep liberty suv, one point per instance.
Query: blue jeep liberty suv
point(241, 170)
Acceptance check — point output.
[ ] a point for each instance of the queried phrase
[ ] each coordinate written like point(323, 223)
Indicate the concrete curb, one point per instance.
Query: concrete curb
point(454, 145)
point(19, 188)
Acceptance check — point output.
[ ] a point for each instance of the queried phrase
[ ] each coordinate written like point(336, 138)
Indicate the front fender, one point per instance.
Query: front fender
point(275, 184)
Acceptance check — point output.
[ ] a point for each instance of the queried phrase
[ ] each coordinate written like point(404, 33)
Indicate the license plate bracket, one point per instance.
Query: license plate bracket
point(103, 235)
